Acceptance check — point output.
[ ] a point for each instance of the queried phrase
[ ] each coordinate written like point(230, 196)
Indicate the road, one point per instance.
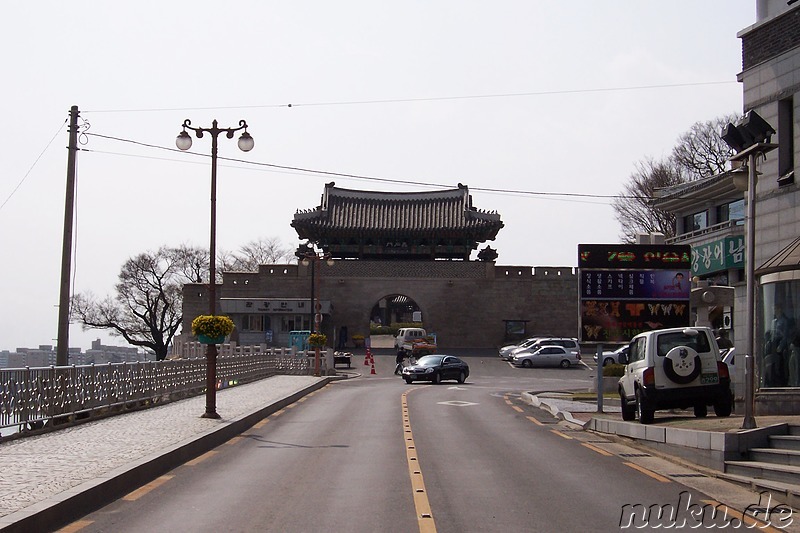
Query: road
point(375, 454)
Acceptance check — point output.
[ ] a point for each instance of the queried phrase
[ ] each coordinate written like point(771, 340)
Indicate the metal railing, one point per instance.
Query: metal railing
point(33, 399)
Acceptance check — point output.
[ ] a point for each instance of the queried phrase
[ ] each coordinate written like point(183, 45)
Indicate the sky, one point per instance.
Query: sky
point(542, 108)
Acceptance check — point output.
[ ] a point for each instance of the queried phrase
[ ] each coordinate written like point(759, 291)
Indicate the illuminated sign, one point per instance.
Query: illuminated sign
point(626, 289)
point(617, 321)
point(634, 256)
point(635, 284)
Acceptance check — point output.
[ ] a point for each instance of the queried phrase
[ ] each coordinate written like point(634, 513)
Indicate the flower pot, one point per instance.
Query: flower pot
point(205, 339)
point(358, 343)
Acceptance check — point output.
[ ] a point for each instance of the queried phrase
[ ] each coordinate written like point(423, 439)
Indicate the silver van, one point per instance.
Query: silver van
point(408, 335)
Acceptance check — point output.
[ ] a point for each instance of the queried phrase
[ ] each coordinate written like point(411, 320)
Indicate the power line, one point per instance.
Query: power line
point(361, 176)
point(428, 98)
point(34, 164)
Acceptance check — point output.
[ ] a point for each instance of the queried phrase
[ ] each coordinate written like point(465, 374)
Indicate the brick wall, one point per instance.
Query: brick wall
point(770, 40)
point(464, 302)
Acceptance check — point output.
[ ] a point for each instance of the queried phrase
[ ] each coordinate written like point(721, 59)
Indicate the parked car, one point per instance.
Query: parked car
point(618, 356)
point(570, 344)
point(547, 356)
point(674, 368)
point(436, 368)
point(506, 352)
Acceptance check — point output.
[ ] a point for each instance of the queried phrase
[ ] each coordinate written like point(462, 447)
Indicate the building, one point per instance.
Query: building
point(45, 355)
point(710, 213)
point(100, 354)
point(389, 257)
point(770, 80)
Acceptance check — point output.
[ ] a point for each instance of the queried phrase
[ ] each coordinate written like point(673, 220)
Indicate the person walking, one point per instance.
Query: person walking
point(401, 355)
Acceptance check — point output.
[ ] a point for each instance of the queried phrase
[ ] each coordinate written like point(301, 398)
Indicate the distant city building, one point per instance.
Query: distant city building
point(45, 355)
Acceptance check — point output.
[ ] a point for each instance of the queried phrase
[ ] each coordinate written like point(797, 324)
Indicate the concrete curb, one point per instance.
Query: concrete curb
point(566, 416)
point(82, 499)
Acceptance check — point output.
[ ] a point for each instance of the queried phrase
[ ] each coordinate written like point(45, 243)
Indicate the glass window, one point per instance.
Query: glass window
point(515, 327)
point(779, 364)
point(253, 323)
point(731, 211)
point(696, 221)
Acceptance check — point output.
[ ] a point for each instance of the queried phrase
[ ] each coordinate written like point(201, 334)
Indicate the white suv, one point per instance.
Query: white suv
point(674, 368)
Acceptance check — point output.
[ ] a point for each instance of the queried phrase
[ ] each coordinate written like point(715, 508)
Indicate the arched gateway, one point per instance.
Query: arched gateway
point(393, 249)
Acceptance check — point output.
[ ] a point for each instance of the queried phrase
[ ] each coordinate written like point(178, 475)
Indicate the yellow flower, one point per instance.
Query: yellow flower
point(212, 326)
point(317, 339)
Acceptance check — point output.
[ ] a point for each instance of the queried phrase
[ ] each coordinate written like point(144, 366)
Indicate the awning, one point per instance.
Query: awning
point(786, 259)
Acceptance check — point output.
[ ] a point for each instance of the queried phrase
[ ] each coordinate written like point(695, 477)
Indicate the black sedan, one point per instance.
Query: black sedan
point(435, 368)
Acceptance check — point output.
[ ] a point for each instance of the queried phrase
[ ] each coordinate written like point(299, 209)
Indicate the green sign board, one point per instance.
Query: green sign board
point(718, 255)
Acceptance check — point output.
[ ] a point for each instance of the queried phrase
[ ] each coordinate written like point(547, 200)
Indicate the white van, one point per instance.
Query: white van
point(407, 335)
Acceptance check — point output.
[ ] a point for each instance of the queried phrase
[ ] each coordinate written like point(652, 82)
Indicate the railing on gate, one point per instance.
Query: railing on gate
point(35, 398)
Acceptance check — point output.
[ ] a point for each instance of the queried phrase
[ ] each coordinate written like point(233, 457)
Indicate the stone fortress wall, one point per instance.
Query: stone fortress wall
point(464, 302)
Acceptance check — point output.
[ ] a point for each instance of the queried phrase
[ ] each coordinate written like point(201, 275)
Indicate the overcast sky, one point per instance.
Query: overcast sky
point(532, 96)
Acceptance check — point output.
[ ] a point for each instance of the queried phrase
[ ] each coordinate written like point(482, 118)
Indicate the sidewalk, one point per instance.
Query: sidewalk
point(51, 478)
point(706, 442)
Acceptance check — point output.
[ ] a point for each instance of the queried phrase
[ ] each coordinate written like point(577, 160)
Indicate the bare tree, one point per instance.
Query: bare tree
point(263, 251)
point(191, 261)
point(701, 152)
point(633, 209)
point(147, 309)
point(148, 306)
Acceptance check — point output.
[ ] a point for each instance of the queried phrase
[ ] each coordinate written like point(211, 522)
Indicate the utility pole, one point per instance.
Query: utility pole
point(62, 350)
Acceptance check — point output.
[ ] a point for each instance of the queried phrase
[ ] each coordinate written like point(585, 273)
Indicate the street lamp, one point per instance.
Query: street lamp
point(750, 138)
point(184, 142)
point(309, 256)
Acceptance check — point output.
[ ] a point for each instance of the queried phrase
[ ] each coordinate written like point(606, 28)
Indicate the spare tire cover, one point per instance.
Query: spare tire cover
point(682, 365)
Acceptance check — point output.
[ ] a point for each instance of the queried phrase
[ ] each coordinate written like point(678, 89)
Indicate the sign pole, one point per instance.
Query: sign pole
point(599, 378)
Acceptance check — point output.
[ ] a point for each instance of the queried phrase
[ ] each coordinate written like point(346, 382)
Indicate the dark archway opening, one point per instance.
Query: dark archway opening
point(395, 310)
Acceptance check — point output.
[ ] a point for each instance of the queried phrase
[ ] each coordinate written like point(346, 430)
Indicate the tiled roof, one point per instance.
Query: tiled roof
point(418, 213)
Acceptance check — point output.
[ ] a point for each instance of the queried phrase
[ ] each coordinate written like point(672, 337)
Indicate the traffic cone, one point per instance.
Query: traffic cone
point(368, 357)
point(372, 371)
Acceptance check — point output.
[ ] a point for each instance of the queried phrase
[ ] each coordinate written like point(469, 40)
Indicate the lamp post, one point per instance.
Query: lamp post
point(309, 256)
point(184, 142)
point(750, 138)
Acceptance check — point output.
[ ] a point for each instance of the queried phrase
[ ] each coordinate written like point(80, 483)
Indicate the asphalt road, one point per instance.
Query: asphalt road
point(375, 454)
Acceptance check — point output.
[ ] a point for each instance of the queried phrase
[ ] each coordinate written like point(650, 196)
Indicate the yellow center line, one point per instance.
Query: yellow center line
point(647, 472)
point(75, 526)
point(235, 439)
point(141, 491)
point(534, 420)
point(596, 449)
point(557, 432)
point(517, 408)
point(200, 459)
point(261, 424)
point(421, 504)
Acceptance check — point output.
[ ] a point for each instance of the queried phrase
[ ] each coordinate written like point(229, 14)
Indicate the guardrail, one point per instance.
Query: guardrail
point(33, 399)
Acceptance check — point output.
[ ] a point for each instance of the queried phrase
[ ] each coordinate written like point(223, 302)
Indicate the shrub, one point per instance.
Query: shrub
point(614, 370)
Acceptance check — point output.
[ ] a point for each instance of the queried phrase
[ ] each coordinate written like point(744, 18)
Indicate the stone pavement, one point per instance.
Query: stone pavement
point(52, 477)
